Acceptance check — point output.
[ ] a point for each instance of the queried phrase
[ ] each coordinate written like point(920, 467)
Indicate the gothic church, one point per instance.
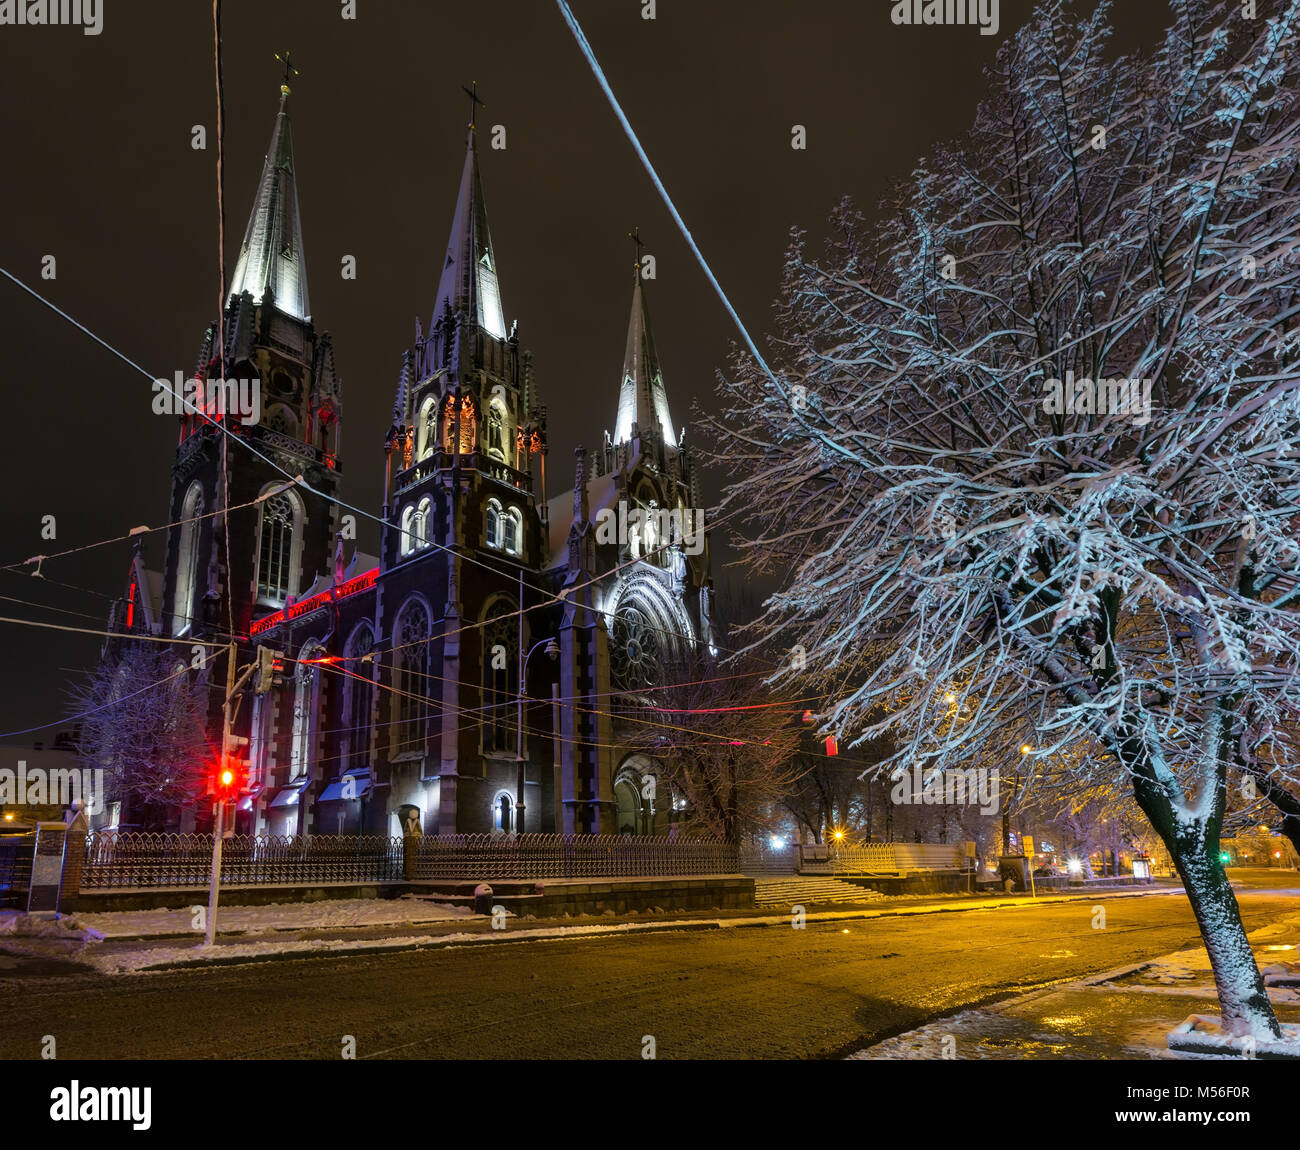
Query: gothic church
point(470, 677)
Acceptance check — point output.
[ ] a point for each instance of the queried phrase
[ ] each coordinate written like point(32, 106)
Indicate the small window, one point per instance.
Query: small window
point(422, 524)
point(408, 531)
point(493, 529)
point(513, 531)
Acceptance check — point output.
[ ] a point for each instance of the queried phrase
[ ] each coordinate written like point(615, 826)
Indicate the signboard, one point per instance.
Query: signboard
point(47, 869)
point(1028, 845)
point(970, 849)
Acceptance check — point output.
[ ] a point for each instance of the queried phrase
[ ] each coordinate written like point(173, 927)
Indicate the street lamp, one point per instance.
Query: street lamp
point(553, 650)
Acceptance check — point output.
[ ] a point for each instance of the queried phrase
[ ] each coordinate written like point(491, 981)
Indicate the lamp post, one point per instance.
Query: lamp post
point(553, 650)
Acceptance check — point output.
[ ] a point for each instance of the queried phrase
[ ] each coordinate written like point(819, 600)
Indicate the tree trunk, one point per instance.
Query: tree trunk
point(1244, 1001)
point(1194, 847)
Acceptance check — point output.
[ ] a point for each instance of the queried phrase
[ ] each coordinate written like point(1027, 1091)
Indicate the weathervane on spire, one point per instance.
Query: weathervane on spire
point(474, 102)
point(289, 71)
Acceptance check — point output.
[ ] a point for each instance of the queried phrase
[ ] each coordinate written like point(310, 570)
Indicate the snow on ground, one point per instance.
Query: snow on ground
point(152, 958)
point(323, 915)
point(1127, 1013)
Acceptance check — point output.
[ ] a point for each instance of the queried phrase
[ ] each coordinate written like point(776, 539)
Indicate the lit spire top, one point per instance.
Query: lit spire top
point(469, 270)
point(642, 398)
point(271, 255)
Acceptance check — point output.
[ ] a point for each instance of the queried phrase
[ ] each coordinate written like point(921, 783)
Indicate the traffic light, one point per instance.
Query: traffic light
point(225, 782)
point(270, 670)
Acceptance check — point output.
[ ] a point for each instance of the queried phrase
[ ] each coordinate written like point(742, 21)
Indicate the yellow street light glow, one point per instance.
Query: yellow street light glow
point(9, 816)
point(839, 834)
point(1025, 749)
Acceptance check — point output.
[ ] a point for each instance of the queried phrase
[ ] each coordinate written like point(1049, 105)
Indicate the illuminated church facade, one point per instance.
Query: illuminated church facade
point(402, 704)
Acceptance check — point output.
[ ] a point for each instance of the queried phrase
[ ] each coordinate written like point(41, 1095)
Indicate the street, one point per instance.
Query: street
point(738, 992)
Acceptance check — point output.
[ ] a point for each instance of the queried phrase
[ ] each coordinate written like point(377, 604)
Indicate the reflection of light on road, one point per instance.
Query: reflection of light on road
point(1280, 947)
point(1063, 1020)
point(1059, 954)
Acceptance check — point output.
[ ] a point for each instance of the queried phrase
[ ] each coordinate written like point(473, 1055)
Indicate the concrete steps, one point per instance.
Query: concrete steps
point(806, 890)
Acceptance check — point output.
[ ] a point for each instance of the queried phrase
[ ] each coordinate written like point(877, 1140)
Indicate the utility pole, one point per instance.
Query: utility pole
point(228, 742)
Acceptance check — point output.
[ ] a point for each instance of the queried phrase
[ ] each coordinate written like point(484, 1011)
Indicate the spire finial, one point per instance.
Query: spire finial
point(289, 71)
point(638, 243)
point(474, 102)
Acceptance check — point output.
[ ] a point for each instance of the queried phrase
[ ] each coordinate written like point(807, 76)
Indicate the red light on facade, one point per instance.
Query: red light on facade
point(832, 745)
point(807, 716)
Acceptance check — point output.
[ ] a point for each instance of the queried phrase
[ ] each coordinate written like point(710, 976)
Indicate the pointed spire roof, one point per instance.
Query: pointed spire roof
point(272, 257)
point(469, 270)
point(642, 398)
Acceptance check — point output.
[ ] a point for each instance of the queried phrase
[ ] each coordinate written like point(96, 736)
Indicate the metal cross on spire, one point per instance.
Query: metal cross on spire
point(289, 70)
point(474, 102)
point(638, 243)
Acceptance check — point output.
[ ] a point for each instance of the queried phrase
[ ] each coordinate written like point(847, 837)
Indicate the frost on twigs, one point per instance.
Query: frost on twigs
point(1111, 580)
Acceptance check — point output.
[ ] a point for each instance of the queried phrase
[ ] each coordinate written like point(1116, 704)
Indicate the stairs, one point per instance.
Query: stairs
point(809, 890)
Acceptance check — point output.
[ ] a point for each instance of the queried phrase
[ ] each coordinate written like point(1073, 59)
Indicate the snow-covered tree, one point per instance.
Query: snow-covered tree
point(1031, 438)
point(143, 726)
point(722, 744)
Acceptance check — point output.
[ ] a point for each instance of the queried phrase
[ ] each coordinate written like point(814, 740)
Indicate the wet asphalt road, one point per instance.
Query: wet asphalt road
point(753, 992)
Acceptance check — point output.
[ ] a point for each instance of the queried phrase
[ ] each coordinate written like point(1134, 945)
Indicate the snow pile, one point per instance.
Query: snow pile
point(324, 915)
point(62, 927)
point(1204, 1034)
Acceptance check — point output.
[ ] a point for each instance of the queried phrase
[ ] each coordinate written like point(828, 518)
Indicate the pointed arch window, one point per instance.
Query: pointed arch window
point(407, 543)
point(427, 429)
point(500, 676)
point(279, 538)
point(410, 674)
point(304, 707)
point(422, 522)
point(492, 528)
point(187, 562)
point(359, 702)
point(512, 535)
point(468, 426)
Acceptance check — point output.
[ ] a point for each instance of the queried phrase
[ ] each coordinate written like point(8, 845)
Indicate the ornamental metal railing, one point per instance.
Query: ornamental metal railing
point(117, 860)
point(896, 858)
point(539, 856)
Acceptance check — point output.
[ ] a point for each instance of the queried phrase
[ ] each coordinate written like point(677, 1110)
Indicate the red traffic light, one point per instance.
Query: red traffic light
point(226, 782)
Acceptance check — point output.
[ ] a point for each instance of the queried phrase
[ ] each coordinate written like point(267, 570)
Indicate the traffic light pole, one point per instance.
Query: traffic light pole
point(219, 815)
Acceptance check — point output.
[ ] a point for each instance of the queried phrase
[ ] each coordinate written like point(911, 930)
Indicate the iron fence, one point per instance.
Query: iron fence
point(116, 860)
point(15, 869)
point(536, 856)
point(132, 859)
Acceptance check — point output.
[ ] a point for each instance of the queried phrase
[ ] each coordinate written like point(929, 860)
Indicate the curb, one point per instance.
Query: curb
point(559, 934)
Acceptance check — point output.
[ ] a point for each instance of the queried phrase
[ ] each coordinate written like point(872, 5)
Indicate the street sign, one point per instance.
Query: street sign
point(1028, 844)
point(970, 849)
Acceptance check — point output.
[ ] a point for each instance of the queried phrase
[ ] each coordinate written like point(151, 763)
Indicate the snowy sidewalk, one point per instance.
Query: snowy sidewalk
point(1122, 1014)
point(327, 914)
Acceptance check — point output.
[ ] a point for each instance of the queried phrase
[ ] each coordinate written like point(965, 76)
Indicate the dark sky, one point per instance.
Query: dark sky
point(99, 171)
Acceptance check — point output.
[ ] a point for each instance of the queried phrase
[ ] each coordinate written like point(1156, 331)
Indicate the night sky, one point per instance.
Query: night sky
point(99, 171)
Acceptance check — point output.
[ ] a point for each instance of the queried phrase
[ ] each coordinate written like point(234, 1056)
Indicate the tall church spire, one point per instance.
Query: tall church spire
point(272, 256)
point(469, 270)
point(642, 398)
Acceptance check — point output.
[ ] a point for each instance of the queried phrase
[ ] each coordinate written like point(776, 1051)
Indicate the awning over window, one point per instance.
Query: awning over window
point(288, 796)
point(354, 785)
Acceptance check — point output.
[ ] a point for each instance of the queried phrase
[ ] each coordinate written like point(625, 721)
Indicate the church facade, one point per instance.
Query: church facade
point(476, 674)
